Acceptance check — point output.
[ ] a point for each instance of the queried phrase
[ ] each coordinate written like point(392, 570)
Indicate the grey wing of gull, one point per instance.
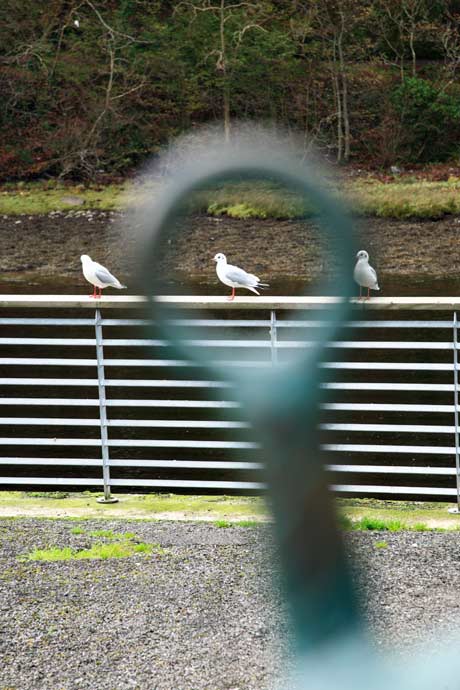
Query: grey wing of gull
point(237, 275)
point(105, 276)
point(372, 270)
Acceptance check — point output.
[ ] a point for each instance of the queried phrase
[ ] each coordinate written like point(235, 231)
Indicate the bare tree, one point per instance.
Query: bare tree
point(224, 12)
point(407, 19)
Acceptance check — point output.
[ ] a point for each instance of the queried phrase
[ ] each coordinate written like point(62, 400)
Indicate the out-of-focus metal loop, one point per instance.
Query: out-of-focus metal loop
point(282, 404)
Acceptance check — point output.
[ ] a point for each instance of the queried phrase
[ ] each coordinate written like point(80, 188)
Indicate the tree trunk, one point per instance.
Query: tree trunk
point(226, 90)
point(343, 81)
point(338, 100)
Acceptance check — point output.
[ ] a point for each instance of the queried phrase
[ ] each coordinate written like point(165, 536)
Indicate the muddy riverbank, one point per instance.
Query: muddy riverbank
point(411, 257)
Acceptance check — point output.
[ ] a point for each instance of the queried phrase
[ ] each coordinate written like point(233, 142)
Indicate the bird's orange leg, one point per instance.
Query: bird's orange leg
point(232, 297)
point(94, 293)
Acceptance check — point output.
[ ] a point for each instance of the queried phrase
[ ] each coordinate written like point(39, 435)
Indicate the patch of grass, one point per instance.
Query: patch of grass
point(222, 523)
point(54, 495)
point(117, 546)
point(250, 200)
point(404, 198)
point(105, 533)
point(381, 545)
point(119, 549)
point(417, 515)
point(83, 505)
point(371, 523)
point(398, 198)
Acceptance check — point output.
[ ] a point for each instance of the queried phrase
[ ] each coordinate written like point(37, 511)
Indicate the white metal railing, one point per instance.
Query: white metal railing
point(137, 404)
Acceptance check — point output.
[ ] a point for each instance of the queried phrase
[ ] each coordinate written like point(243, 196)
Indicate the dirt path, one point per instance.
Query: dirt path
point(37, 248)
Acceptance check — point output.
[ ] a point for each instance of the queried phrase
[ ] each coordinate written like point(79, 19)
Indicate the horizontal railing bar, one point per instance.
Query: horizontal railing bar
point(223, 465)
point(47, 421)
point(132, 383)
point(45, 322)
point(281, 344)
point(401, 490)
point(11, 381)
point(53, 481)
point(174, 443)
point(130, 423)
point(399, 428)
point(365, 344)
point(50, 441)
point(196, 484)
point(129, 443)
point(227, 445)
point(48, 341)
point(392, 469)
point(387, 407)
point(168, 464)
point(199, 424)
point(435, 387)
point(389, 366)
point(189, 464)
point(167, 383)
point(370, 448)
point(71, 402)
point(177, 424)
point(211, 323)
point(48, 361)
point(221, 302)
point(217, 404)
point(224, 323)
point(282, 323)
point(189, 484)
point(50, 462)
point(179, 383)
point(208, 404)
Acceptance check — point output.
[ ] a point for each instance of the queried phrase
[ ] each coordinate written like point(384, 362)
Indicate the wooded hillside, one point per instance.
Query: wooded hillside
point(90, 88)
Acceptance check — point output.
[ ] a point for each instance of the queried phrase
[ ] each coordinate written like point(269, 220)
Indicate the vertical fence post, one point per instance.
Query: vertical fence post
point(273, 337)
point(457, 449)
point(103, 411)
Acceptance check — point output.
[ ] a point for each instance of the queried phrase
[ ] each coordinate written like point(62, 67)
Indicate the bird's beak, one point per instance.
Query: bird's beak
point(214, 259)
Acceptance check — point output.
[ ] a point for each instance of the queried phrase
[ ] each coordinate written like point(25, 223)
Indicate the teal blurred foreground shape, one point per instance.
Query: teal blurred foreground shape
point(333, 648)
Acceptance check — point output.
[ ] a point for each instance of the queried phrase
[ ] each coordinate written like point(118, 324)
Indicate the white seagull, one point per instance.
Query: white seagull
point(235, 277)
point(364, 274)
point(98, 276)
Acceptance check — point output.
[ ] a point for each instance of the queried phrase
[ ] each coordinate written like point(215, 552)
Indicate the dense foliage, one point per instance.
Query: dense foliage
point(91, 87)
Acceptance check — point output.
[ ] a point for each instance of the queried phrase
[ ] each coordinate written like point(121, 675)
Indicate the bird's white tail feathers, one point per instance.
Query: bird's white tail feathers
point(120, 286)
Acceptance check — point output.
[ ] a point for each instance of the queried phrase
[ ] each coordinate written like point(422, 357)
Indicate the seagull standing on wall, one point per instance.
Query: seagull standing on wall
point(235, 277)
point(98, 276)
point(364, 274)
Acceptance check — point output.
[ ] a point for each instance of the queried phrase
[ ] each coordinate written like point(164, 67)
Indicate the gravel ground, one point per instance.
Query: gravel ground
point(200, 616)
